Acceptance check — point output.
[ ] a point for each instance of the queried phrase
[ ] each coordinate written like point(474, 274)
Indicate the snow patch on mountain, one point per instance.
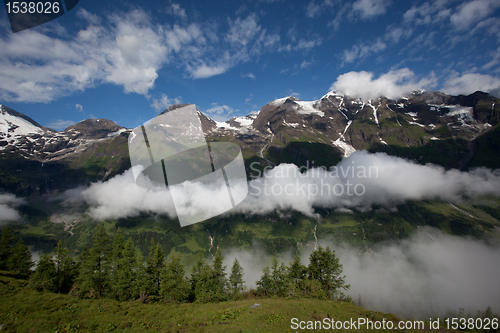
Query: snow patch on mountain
point(13, 125)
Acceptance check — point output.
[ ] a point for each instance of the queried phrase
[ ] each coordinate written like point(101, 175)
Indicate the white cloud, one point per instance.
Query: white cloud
point(362, 50)
point(8, 204)
point(360, 182)
point(308, 44)
point(203, 71)
point(370, 8)
point(60, 124)
point(390, 182)
point(428, 13)
point(472, 12)
point(164, 102)
point(471, 82)
point(127, 50)
point(243, 31)
point(220, 112)
point(176, 9)
point(393, 84)
point(250, 75)
point(313, 10)
point(79, 107)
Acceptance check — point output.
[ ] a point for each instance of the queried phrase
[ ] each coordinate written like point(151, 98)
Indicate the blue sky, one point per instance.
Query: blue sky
point(128, 61)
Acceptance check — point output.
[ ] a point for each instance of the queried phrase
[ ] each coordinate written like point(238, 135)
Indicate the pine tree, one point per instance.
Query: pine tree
point(236, 283)
point(154, 267)
point(325, 268)
point(93, 279)
point(65, 269)
point(20, 260)
point(44, 277)
point(174, 285)
point(7, 243)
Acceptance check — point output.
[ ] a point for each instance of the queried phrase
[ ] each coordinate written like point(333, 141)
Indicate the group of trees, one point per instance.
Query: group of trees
point(113, 268)
point(14, 255)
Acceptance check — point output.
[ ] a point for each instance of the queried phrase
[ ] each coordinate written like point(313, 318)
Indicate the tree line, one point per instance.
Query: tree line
point(113, 268)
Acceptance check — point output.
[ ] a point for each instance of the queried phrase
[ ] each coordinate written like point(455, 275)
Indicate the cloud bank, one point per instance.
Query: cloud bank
point(8, 205)
point(361, 181)
point(430, 274)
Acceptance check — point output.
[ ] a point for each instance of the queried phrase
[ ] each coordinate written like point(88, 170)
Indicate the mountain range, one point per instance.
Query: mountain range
point(459, 132)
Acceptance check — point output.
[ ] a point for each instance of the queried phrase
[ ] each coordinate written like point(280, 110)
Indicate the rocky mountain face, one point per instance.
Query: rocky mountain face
point(452, 131)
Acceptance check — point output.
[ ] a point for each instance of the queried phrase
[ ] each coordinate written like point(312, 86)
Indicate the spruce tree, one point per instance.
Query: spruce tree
point(278, 278)
point(20, 260)
point(126, 268)
point(174, 285)
point(220, 279)
point(7, 243)
point(65, 269)
point(297, 273)
point(264, 287)
point(93, 279)
point(154, 267)
point(324, 267)
point(44, 277)
point(236, 283)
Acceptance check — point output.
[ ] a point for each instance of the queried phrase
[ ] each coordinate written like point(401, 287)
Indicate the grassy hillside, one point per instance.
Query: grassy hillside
point(24, 310)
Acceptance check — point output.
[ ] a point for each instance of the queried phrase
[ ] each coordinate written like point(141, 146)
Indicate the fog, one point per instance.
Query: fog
point(430, 274)
point(8, 208)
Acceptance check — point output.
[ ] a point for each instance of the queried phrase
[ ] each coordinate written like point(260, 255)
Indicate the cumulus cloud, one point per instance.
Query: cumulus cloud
point(471, 82)
point(126, 49)
point(393, 84)
point(8, 204)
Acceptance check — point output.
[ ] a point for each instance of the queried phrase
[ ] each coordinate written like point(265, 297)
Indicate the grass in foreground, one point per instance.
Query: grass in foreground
point(24, 310)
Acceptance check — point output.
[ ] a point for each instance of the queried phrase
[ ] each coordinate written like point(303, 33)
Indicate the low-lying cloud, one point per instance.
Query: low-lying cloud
point(430, 274)
point(360, 182)
point(8, 204)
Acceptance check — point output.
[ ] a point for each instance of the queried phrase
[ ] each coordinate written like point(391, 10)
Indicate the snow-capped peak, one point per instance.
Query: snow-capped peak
point(11, 124)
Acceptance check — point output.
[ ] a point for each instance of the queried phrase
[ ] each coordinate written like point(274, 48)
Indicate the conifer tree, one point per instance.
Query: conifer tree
point(236, 283)
point(297, 274)
point(20, 260)
point(7, 243)
point(154, 267)
point(220, 279)
point(174, 285)
point(264, 284)
point(125, 274)
point(324, 267)
point(93, 279)
point(44, 277)
point(278, 278)
point(65, 269)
